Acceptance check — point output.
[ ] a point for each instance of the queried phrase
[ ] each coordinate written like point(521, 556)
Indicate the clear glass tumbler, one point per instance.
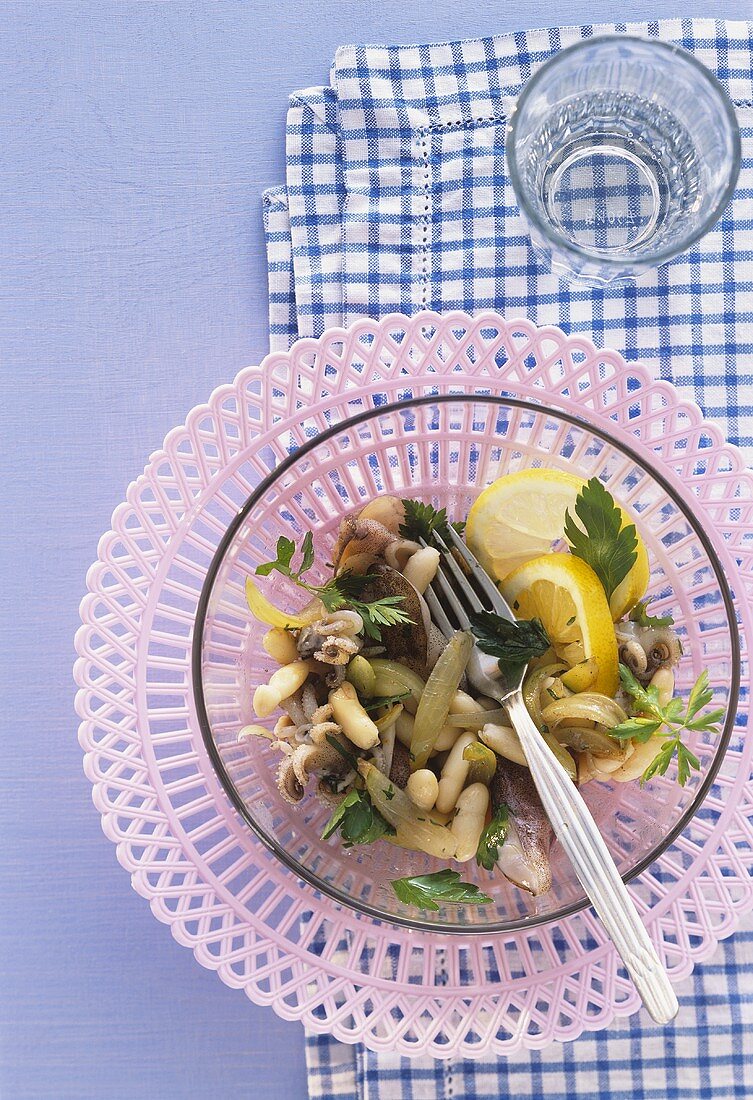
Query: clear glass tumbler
point(622, 152)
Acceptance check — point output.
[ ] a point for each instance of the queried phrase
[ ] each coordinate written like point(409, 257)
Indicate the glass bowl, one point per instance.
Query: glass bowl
point(446, 449)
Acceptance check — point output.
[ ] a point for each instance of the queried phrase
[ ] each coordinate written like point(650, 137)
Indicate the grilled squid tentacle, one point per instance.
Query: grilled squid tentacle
point(646, 649)
point(332, 640)
point(297, 767)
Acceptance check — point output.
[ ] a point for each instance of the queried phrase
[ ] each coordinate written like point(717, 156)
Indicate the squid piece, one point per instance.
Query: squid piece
point(407, 643)
point(297, 767)
point(647, 649)
point(524, 856)
point(399, 772)
point(361, 542)
point(333, 639)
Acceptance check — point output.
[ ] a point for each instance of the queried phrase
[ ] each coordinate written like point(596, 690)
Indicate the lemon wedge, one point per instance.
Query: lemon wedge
point(633, 588)
point(567, 596)
point(521, 516)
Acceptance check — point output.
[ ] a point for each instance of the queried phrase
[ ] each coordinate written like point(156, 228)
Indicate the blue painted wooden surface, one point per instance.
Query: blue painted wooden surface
point(136, 138)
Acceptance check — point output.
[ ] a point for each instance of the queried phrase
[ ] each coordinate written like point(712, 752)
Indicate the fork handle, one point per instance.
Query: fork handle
point(579, 835)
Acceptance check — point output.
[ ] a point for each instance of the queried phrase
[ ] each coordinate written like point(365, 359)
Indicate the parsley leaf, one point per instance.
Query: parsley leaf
point(384, 612)
point(669, 722)
point(702, 723)
point(340, 811)
point(344, 587)
point(640, 615)
point(636, 729)
point(385, 701)
point(285, 551)
point(513, 643)
point(700, 695)
point(425, 891)
point(423, 520)
point(358, 820)
point(307, 553)
point(330, 595)
point(645, 698)
point(608, 547)
point(493, 837)
point(340, 591)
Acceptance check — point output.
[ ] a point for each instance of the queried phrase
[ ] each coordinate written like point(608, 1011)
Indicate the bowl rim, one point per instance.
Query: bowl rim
point(559, 241)
point(229, 787)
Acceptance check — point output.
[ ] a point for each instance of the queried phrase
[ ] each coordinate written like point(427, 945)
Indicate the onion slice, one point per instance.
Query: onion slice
point(594, 741)
point(266, 612)
point(413, 827)
point(392, 678)
point(437, 695)
point(587, 706)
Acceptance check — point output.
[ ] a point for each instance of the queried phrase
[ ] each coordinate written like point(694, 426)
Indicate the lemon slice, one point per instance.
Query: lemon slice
point(567, 596)
point(520, 516)
point(633, 588)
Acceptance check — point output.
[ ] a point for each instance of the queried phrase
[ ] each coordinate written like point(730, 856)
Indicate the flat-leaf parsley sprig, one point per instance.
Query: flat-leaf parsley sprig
point(358, 821)
point(340, 591)
point(493, 837)
point(422, 521)
point(424, 891)
point(603, 543)
point(514, 644)
point(668, 721)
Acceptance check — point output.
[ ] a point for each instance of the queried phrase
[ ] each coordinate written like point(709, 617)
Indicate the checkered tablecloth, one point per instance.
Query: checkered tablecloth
point(397, 198)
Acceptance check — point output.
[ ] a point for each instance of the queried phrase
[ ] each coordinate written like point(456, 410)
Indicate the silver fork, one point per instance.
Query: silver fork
point(451, 593)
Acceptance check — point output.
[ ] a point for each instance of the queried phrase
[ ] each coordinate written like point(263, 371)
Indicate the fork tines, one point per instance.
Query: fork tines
point(460, 586)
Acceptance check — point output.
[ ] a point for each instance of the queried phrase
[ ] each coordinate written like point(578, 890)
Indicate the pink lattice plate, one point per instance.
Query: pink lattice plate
point(435, 407)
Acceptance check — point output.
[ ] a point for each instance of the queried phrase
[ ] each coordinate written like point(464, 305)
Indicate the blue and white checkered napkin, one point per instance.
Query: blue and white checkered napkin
point(397, 198)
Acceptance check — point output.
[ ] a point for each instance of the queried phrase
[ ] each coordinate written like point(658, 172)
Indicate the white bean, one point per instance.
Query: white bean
point(422, 568)
point(282, 684)
point(454, 774)
point(422, 788)
point(288, 679)
point(356, 724)
point(468, 823)
point(664, 682)
point(463, 703)
point(280, 645)
point(265, 701)
point(404, 728)
point(446, 738)
point(505, 742)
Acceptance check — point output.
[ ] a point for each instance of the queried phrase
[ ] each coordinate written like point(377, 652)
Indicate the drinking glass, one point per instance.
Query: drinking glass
point(622, 152)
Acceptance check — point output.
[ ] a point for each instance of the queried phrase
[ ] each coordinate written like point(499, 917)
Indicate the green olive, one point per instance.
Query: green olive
point(482, 763)
point(361, 675)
